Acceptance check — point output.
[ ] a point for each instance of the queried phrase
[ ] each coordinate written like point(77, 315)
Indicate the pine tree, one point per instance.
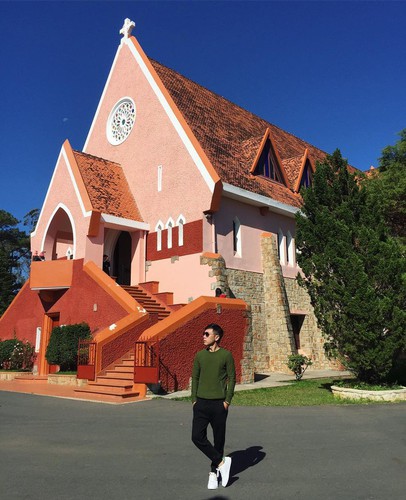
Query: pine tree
point(354, 272)
point(14, 246)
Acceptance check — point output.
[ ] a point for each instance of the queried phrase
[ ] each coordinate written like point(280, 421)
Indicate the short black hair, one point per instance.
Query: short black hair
point(218, 292)
point(216, 329)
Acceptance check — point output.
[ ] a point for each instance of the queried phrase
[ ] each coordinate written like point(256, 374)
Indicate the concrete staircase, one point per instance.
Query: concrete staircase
point(148, 301)
point(117, 380)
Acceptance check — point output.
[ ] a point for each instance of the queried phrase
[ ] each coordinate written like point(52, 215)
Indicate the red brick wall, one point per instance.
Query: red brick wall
point(192, 242)
point(75, 305)
point(23, 316)
point(178, 349)
point(122, 344)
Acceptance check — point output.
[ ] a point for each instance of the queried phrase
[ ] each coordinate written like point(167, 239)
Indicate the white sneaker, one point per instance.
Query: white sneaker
point(213, 483)
point(225, 471)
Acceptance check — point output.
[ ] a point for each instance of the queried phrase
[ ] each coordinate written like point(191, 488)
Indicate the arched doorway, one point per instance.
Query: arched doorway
point(59, 238)
point(122, 259)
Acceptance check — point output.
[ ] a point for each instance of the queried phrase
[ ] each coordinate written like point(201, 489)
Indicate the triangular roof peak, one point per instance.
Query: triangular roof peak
point(268, 142)
point(306, 159)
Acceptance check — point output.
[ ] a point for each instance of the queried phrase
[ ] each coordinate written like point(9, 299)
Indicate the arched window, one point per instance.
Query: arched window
point(282, 247)
point(237, 248)
point(180, 223)
point(169, 227)
point(158, 228)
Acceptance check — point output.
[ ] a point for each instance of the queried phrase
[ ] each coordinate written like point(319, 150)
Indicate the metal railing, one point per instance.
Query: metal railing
point(146, 363)
point(86, 359)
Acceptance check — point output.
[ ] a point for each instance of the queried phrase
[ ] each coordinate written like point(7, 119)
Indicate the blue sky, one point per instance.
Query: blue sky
point(332, 73)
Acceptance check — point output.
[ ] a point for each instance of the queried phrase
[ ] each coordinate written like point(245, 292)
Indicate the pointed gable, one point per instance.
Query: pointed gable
point(267, 162)
point(305, 177)
point(107, 187)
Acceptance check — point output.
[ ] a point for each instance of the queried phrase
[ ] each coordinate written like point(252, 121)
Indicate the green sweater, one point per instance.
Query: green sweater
point(213, 375)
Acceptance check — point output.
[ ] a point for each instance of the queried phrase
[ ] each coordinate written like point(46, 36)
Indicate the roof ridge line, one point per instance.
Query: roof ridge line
point(96, 157)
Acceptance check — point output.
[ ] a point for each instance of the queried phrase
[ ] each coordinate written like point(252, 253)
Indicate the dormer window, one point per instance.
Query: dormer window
point(267, 165)
point(307, 176)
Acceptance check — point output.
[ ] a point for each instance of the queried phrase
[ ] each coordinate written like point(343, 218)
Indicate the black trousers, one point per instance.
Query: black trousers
point(205, 412)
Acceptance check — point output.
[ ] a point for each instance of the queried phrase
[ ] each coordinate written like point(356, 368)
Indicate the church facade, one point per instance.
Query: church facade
point(183, 192)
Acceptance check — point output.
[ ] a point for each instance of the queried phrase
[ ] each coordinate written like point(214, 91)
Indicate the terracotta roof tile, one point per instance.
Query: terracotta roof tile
point(107, 187)
point(230, 136)
point(292, 168)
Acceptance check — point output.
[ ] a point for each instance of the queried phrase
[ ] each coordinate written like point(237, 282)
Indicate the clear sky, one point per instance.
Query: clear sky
point(332, 73)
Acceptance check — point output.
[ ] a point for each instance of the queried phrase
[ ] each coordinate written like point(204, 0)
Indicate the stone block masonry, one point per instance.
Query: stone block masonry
point(272, 299)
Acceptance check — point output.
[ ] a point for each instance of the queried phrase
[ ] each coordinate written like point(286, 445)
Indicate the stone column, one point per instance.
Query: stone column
point(280, 341)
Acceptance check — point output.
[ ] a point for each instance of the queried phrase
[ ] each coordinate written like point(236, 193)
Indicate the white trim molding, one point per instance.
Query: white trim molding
point(258, 200)
point(115, 222)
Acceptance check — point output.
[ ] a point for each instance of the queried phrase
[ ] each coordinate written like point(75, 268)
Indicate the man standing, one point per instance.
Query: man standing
point(213, 381)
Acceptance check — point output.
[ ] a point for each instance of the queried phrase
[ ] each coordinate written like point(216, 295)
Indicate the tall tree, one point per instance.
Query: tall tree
point(353, 271)
point(14, 255)
point(387, 187)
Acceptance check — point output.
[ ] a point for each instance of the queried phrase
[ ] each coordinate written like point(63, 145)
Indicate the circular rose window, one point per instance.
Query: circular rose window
point(121, 121)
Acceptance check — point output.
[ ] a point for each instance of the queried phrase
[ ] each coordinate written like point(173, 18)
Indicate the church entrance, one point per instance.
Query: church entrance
point(122, 259)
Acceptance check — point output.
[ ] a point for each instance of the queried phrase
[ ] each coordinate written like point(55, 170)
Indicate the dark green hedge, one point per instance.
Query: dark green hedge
point(62, 349)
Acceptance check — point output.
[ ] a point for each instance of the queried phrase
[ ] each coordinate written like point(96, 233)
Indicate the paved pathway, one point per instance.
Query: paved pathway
point(41, 387)
point(65, 449)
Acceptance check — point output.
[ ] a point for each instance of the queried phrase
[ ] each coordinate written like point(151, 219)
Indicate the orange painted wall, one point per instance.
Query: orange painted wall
point(75, 305)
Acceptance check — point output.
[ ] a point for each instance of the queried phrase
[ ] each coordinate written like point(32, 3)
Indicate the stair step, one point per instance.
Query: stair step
point(106, 381)
point(121, 369)
point(126, 362)
point(120, 375)
point(107, 391)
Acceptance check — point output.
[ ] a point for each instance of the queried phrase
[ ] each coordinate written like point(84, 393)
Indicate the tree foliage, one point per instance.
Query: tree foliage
point(63, 345)
point(354, 272)
point(387, 187)
point(14, 255)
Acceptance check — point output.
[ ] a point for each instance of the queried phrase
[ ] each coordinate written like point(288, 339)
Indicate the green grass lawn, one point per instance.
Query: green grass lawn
point(303, 393)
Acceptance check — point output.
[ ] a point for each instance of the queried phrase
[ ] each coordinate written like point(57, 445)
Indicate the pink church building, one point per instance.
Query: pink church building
point(184, 192)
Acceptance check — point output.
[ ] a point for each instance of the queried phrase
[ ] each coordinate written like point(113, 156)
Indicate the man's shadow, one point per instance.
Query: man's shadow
point(243, 459)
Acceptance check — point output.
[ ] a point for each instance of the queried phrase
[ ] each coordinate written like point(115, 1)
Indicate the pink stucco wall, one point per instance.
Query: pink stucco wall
point(185, 277)
point(252, 225)
point(153, 141)
point(62, 194)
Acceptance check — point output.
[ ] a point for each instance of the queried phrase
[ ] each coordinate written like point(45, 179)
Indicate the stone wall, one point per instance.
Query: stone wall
point(272, 299)
point(248, 286)
point(311, 339)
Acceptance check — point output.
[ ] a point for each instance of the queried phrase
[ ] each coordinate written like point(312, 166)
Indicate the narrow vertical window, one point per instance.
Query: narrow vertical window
point(290, 243)
point(169, 227)
point(158, 230)
point(159, 177)
point(180, 223)
point(282, 247)
point(237, 237)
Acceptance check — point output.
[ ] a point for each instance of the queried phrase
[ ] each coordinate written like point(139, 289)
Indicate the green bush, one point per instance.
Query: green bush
point(16, 355)
point(62, 349)
point(298, 364)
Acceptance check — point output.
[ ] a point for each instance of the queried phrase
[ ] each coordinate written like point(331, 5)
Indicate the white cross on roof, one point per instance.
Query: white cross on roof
point(127, 28)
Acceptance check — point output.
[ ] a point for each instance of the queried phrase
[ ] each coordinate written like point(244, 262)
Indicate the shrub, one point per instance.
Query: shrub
point(62, 349)
point(298, 364)
point(16, 355)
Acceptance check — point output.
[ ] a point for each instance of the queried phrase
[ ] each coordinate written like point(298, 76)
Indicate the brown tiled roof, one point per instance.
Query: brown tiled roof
point(107, 187)
point(230, 136)
point(292, 168)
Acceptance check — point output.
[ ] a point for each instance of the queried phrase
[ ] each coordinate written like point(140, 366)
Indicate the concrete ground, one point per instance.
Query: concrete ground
point(72, 449)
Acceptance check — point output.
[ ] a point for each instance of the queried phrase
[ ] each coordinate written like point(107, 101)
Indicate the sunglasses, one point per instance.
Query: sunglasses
point(207, 334)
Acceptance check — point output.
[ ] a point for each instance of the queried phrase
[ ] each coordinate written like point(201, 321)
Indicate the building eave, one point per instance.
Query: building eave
point(259, 200)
